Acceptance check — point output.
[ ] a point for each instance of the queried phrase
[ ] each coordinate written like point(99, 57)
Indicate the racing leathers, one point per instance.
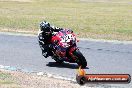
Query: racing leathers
point(45, 41)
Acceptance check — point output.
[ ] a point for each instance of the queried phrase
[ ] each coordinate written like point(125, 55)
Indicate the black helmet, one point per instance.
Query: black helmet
point(45, 26)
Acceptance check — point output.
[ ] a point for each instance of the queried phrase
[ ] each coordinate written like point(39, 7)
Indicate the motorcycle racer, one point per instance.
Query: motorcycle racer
point(60, 44)
point(44, 37)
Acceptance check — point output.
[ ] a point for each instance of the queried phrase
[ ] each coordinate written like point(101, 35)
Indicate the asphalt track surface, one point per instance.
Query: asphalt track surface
point(102, 57)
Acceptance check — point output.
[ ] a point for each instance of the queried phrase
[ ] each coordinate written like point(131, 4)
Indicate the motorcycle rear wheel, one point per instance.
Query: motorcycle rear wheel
point(81, 61)
point(57, 59)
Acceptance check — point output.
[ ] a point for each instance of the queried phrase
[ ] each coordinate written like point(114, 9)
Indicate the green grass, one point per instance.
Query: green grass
point(102, 20)
point(4, 75)
point(4, 78)
point(7, 82)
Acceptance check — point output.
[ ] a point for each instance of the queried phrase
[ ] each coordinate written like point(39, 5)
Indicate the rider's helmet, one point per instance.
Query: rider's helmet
point(45, 27)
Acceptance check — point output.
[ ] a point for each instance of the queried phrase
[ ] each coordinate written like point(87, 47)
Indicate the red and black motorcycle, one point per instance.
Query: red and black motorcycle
point(66, 48)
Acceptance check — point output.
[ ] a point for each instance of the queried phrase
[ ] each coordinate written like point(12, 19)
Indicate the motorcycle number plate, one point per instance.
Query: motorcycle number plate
point(67, 38)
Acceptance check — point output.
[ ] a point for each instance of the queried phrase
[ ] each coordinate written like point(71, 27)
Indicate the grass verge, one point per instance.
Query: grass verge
point(91, 19)
point(18, 79)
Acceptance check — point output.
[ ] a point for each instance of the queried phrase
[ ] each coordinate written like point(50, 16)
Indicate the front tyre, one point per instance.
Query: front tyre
point(80, 59)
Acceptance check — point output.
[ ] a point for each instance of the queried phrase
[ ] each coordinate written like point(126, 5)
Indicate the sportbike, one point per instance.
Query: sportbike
point(65, 48)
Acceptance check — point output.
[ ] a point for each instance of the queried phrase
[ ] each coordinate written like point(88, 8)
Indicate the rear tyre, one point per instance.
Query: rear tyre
point(80, 59)
point(57, 59)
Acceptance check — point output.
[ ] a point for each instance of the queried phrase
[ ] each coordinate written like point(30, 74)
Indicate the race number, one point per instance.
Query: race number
point(67, 38)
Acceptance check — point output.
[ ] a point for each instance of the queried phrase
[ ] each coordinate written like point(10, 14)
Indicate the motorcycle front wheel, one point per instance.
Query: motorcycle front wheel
point(80, 59)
